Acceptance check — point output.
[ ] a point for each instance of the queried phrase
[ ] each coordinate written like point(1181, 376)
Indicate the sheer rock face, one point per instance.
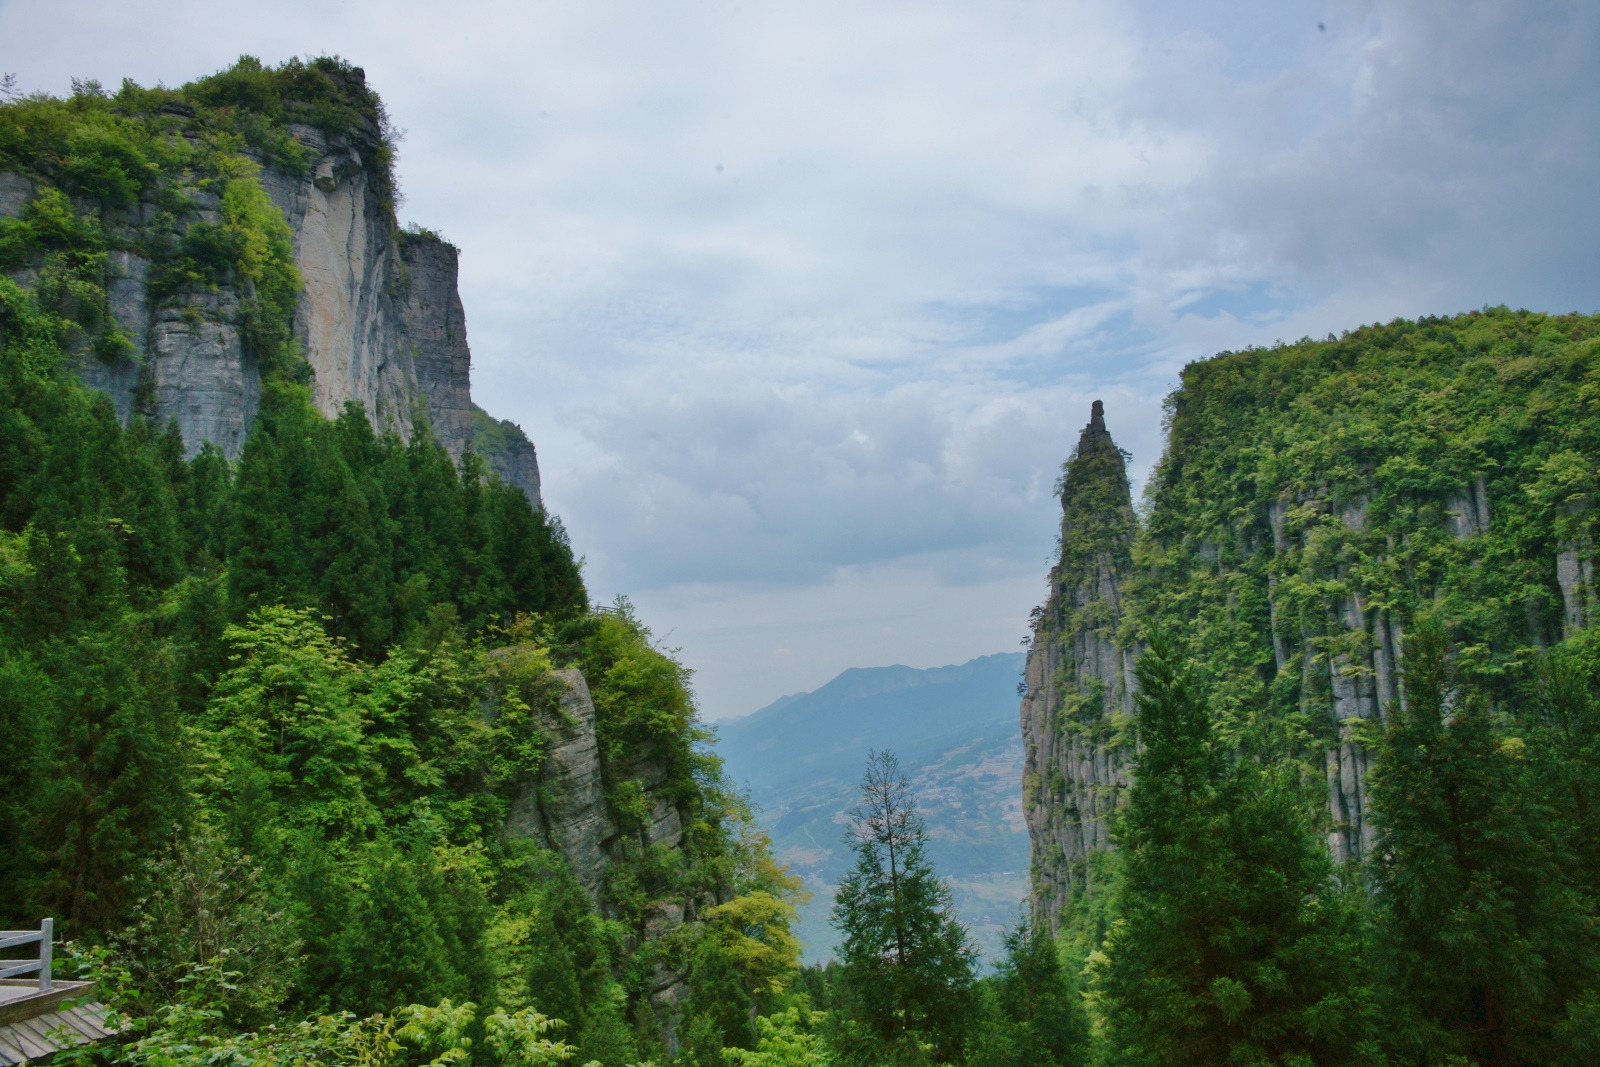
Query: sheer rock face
point(436, 328)
point(1079, 680)
point(564, 809)
point(380, 319)
point(1345, 666)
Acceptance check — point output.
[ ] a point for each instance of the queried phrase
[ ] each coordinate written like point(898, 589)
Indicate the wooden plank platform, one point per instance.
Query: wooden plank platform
point(49, 1033)
point(21, 999)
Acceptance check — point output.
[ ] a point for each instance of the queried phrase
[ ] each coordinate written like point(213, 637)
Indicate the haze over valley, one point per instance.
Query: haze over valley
point(1140, 460)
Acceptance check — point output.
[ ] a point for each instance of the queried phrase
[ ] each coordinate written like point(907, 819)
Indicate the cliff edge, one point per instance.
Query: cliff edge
point(376, 315)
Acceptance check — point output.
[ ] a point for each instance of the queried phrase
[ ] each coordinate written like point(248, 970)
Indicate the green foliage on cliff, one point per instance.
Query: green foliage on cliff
point(264, 723)
point(1383, 452)
point(1374, 557)
point(171, 175)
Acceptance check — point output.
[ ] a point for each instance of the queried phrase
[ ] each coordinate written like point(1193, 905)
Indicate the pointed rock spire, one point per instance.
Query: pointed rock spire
point(1096, 504)
point(1078, 676)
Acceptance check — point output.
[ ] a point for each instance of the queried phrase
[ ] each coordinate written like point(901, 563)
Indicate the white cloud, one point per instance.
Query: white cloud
point(815, 400)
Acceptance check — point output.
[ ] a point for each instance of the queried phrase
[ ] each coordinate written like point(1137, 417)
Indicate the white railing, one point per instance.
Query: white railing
point(44, 936)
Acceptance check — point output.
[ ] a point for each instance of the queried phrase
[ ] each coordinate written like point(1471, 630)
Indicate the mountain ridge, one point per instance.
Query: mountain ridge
point(955, 731)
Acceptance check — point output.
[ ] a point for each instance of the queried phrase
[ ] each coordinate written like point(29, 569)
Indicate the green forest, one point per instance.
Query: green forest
point(270, 725)
point(1363, 742)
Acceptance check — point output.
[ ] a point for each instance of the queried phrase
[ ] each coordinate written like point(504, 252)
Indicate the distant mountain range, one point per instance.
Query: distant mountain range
point(955, 730)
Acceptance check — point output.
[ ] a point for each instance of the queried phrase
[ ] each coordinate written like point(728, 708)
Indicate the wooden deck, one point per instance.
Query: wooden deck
point(49, 1033)
point(41, 1016)
point(36, 1023)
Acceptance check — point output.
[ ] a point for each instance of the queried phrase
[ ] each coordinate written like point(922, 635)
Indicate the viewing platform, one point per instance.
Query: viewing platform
point(41, 1016)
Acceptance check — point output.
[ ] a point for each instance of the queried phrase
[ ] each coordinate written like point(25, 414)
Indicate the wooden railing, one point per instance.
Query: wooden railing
point(44, 937)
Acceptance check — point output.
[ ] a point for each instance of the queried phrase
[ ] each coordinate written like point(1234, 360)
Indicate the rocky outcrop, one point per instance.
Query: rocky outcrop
point(1079, 697)
point(564, 808)
point(436, 330)
point(379, 320)
point(1077, 712)
point(1313, 504)
point(507, 450)
point(351, 316)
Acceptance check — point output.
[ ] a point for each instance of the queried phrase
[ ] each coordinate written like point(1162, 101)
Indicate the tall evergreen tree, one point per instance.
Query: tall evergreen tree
point(1036, 1016)
point(908, 962)
point(1234, 943)
point(1490, 948)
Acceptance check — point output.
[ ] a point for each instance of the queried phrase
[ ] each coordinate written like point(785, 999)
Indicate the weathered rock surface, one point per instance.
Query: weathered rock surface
point(565, 807)
point(1337, 650)
point(380, 319)
point(436, 329)
point(507, 450)
point(1079, 680)
point(15, 192)
point(351, 316)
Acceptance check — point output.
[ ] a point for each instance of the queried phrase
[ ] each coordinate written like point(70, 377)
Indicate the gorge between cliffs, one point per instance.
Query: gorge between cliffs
point(317, 749)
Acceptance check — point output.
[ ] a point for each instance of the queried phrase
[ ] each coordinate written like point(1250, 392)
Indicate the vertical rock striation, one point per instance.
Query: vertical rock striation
point(1312, 502)
point(379, 320)
point(1079, 699)
point(564, 808)
point(436, 330)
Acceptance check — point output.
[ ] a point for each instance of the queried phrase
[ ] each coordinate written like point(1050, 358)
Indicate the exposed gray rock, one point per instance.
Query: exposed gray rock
point(379, 319)
point(351, 319)
point(507, 450)
point(565, 807)
point(1575, 575)
point(127, 278)
point(666, 825)
point(436, 327)
point(1468, 510)
point(199, 374)
point(15, 192)
point(1078, 679)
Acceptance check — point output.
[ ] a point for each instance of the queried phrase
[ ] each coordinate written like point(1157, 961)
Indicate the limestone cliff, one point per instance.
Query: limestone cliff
point(565, 808)
point(1312, 502)
point(507, 450)
point(379, 320)
point(1079, 680)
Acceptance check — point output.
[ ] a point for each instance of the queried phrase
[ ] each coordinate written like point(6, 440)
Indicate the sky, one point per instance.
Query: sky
point(805, 303)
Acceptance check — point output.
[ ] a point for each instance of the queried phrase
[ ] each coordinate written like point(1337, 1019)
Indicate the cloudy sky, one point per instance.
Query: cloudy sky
point(804, 303)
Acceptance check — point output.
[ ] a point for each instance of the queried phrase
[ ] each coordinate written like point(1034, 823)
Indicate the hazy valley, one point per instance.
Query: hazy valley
point(955, 731)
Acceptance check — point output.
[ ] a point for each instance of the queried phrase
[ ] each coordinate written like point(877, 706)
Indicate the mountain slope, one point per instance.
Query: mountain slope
point(955, 731)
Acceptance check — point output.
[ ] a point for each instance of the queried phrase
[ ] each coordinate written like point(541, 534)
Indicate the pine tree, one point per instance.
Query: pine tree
point(1490, 948)
point(908, 962)
point(1036, 1018)
point(1233, 944)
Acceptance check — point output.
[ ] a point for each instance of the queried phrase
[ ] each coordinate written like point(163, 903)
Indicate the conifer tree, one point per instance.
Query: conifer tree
point(1037, 1018)
point(1233, 944)
point(908, 962)
point(1489, 947)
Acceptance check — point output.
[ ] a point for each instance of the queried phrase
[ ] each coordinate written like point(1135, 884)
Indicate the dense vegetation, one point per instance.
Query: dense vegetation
point(263, 720)
point(1381, 453)
point(1358, 825)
